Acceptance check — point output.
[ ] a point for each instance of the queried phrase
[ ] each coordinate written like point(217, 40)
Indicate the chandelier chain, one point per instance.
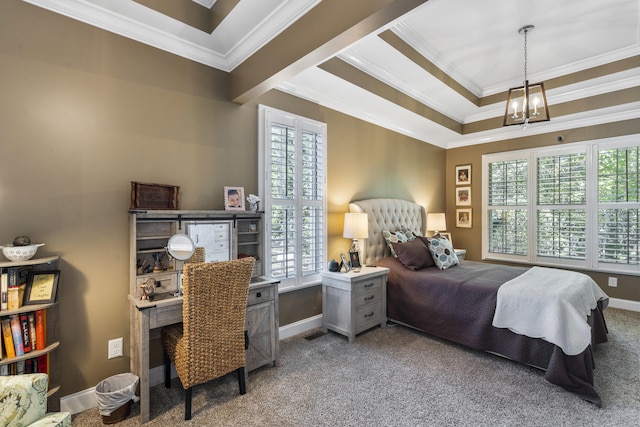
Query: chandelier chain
point(525, 55)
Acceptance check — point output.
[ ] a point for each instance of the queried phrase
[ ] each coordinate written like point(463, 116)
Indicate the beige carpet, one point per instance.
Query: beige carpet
point(399, 377)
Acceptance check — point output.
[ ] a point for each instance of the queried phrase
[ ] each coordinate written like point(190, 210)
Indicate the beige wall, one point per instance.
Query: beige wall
point(471, 239)
point(83, 112)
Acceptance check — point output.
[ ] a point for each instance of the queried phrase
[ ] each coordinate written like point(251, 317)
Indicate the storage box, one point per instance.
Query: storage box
point(154, 196)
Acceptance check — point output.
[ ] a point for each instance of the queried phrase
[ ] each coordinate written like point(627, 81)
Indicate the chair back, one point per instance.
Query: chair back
point(213, 314)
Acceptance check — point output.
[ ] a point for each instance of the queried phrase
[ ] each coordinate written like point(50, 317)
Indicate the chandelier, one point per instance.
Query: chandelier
point(526, 104)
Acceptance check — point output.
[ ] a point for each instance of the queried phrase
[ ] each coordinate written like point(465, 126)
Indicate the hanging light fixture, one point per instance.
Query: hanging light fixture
point(526, 104)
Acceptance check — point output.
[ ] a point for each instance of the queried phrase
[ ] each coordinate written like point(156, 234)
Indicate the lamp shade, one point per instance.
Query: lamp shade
point(356, 226)
point(436, 222)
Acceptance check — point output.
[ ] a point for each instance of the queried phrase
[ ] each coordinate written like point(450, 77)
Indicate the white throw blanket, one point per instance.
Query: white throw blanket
point(550, 304)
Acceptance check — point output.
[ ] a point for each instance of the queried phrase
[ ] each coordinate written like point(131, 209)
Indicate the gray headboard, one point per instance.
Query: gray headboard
point(386, 214)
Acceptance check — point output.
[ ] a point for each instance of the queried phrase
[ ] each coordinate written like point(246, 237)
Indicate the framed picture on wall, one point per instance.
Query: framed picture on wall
point(463, 196)
point(463, 175)
point(233, 198)
point(463, 218)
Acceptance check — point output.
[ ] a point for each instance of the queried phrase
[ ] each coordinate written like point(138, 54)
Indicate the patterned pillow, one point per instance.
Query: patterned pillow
point(443, 254)
point(397, 236)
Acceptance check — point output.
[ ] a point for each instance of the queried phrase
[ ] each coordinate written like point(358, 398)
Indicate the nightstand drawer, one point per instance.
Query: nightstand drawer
point(368, 316)
point(367, 285)
point(368, 297)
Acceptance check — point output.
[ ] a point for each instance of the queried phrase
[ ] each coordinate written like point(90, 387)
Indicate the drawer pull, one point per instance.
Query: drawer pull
point(369, 315)
point(368, 285)
point(369, 298)
point(258, 294)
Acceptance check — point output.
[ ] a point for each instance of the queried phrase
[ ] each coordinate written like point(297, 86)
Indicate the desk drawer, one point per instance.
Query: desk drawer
point(163, 316)
point(368, 316)
point(367, 285)
point(166, 282)
point(260, 295)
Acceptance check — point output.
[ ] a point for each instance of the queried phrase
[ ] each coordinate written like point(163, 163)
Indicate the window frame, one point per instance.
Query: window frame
point(266, 116)
point(592, 205)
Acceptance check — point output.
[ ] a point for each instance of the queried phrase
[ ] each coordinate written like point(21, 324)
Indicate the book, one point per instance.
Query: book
point(32, 330)
point(41, 329)
point(4, 289)
point(17, 282)
point(8, 338)
point(16, 332)
point(4, 370)
point(43, 364)
point(15, 296)
point(26, 334)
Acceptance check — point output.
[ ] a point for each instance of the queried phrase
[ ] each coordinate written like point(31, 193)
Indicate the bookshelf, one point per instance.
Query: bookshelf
point(52, 333)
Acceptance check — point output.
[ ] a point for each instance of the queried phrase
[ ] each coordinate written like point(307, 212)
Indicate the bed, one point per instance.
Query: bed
point(459, 303)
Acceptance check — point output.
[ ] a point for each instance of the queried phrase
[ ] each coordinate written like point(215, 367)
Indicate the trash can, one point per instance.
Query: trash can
point(114, 396)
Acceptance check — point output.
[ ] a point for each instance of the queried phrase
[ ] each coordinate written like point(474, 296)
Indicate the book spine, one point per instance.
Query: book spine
point(41, 329)
point(8, 338)
point(26, 335)
point(32, 330)
point(43, 364)
point(16, 331)
point(4, 291)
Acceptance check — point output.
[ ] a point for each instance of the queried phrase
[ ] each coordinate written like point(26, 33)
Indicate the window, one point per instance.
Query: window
point(574, 205)
point(292, 179)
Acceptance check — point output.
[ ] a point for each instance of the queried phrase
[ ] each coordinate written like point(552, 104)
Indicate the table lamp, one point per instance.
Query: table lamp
point(436, 222)
point(356, 226)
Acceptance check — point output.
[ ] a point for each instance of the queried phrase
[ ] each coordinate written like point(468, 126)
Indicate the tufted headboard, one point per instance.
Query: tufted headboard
point(387, 214)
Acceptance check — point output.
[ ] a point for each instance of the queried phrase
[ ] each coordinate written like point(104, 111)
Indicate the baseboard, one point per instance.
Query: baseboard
point(624, 304)
point(300, 326)
point(86, 399)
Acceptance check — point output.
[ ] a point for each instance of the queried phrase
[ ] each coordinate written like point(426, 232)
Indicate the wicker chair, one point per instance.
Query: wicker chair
point(210, 341)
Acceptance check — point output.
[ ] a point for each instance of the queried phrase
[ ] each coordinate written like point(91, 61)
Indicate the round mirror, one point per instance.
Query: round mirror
point(181, 247)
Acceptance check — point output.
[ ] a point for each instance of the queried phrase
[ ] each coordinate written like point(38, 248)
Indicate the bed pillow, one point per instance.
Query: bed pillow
point(395, 237)
point(413, 254)
point(443, 254)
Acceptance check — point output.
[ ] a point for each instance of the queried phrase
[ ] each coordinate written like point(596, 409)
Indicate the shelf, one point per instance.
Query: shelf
point(34, 353)
point(167, 237)
point(26, 309)
point(32, 261)
point(248, 243)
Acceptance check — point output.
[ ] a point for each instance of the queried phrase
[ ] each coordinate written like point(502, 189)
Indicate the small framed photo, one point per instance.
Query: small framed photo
point(463, 218)
point(463, 196)
point(233, 198)
point(42, 287)
point(354, 259)
point(463, 175)
point(447, 236)
point(344, 263)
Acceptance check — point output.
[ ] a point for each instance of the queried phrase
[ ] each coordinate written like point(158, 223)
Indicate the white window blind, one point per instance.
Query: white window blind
point(619, 207)
point(575, 205)
point(293, 151)
point(561, 194)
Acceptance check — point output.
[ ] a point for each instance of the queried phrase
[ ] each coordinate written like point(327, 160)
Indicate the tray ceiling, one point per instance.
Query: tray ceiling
point(434, 70)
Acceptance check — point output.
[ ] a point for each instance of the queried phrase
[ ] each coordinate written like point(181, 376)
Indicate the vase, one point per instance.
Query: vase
point(254, 206)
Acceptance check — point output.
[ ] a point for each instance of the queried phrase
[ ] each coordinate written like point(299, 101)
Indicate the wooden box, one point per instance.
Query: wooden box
point(154, 196)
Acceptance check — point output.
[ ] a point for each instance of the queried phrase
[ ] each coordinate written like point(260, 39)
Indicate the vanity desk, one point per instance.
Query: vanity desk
point(229, 235)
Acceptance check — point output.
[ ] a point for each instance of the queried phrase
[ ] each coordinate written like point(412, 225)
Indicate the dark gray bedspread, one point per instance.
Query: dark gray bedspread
point(458, 304)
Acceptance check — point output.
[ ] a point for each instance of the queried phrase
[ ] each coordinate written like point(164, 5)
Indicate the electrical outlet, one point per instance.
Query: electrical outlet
point(115, 348)
point(613, 282)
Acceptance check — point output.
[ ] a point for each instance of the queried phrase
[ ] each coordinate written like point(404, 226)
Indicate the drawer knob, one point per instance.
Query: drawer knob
point(258, 294)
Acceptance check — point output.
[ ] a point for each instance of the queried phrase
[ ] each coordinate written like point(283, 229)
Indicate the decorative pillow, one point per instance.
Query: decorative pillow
point(413, 254)
point(395, 237)
point(443, 254)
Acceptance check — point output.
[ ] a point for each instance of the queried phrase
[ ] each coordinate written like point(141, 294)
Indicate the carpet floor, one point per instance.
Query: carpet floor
point(396, 376)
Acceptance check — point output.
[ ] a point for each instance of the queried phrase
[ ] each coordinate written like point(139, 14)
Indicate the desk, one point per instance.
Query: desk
point(147, 317)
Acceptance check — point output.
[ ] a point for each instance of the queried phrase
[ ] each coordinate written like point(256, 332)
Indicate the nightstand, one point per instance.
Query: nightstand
point(354, 302)
point(460, 252)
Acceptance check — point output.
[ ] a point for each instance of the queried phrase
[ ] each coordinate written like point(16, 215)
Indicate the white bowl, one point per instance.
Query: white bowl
point(20, 253)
